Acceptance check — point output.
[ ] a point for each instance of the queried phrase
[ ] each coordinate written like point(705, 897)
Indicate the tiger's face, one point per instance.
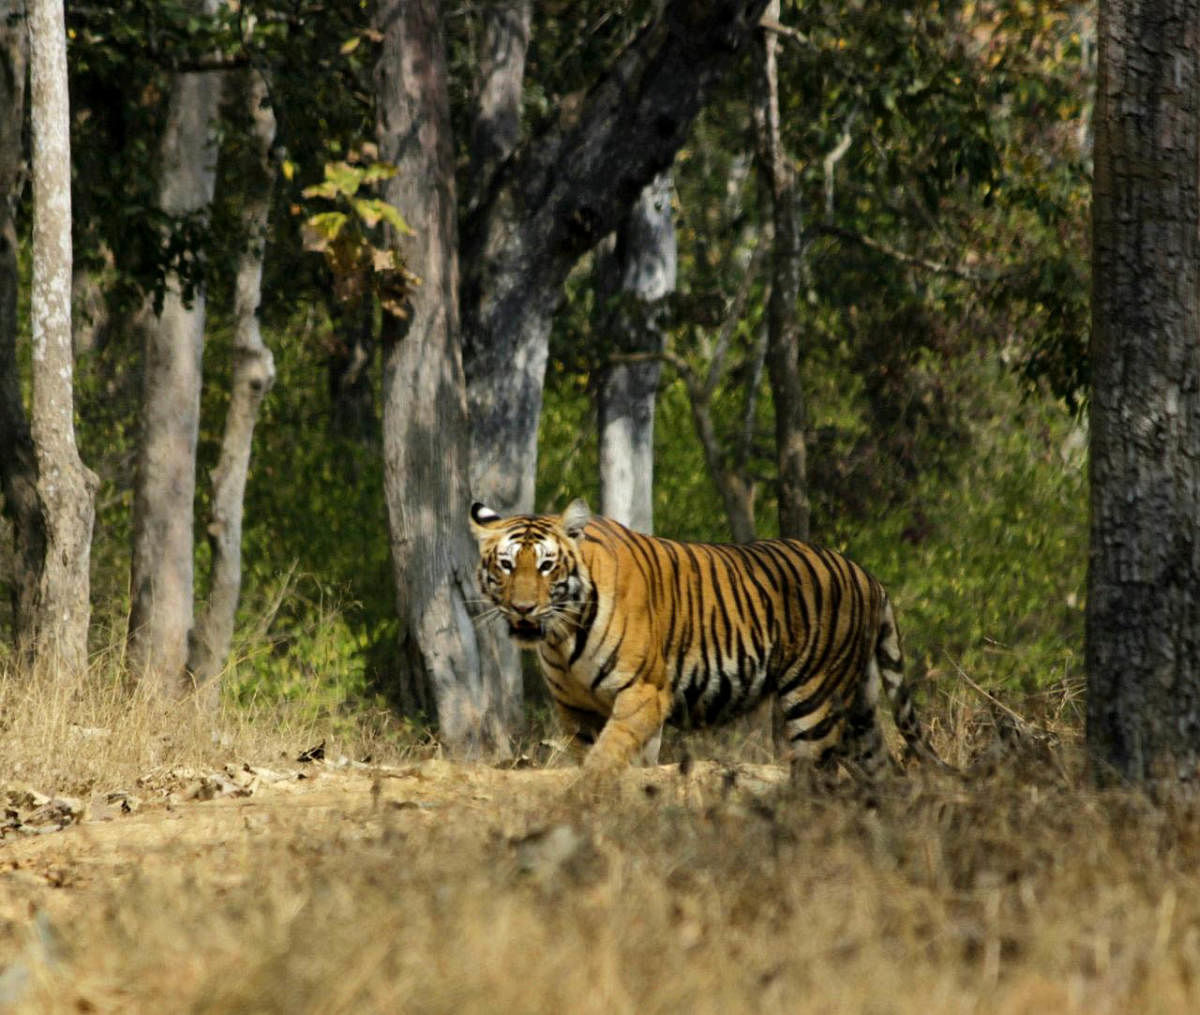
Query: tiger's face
point(530, 570)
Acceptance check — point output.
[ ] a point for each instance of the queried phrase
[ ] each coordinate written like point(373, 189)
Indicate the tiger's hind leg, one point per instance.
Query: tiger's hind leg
point(809, 735)
point(863, 748)
point(822, 737)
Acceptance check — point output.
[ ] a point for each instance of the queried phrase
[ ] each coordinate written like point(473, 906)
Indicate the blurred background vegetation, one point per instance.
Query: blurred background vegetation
point(943, 160)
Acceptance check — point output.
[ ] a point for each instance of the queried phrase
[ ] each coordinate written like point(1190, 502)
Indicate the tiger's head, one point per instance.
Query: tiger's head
point(530, 568)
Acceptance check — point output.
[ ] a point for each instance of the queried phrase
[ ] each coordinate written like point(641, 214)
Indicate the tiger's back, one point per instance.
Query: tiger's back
point(699, 633)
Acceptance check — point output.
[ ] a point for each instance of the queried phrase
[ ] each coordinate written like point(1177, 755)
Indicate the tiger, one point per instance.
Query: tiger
point(633, 631)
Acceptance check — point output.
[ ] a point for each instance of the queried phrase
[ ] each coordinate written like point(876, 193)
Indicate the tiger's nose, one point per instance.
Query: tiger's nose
point(524, 609)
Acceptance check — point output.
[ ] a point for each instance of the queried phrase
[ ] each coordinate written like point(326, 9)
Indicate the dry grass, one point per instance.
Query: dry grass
point(427, 886)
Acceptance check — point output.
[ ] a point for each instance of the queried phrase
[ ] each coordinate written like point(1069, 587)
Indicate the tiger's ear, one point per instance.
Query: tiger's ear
point(482, 519)
point(577, 515)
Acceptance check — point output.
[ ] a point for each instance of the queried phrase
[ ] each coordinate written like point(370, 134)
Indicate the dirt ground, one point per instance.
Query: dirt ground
point(440, 887)
point(63, 860)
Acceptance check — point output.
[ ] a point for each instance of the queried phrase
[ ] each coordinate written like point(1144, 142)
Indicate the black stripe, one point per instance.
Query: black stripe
point(820, 731)
point(585, 627)
point(810, 703)
point(717, 706)
point(609, 664)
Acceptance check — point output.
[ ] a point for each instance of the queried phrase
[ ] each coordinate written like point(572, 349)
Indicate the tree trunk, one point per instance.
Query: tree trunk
point(633, 283)
point(66, 489)
point(253, 376)
point(18, 465)
point(496, 120)
point(1143, 613)
point(495, 131)
point(783, 332)
point(161, 613)
point(552, 201)
point(425, 429)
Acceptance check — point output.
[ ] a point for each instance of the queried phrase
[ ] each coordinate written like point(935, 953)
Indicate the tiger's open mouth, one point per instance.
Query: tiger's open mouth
point(525, 630)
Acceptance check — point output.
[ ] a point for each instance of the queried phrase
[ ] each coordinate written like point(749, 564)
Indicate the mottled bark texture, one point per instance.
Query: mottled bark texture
point(495, 132)
point(66, 490)
point(634, 277)
point(161, 585)
point(453, 669)
point(553, 200)
point(496, 115)
point(18, 465)
point(253, 376)
point(1143, 613)
point(783, 330)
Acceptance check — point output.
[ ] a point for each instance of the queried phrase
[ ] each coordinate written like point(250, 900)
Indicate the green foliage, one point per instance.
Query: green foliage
point(317, 588)
point(122, 54)
point(362, 262)
point(988, 566)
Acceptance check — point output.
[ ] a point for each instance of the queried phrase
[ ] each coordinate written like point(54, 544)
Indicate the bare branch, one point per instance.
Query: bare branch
point(737, 310)
point(772, 25)
point(960, 271)
point(752, 383)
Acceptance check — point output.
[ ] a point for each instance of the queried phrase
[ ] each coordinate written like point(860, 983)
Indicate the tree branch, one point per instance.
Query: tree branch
point(913, 260)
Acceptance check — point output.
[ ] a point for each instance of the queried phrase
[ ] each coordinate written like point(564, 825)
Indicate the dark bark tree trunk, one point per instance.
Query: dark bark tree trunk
point(18, 464)
point(496, 119)
point(1143, 613)
point(425, 430)
point(161, 586)
point(66, 489)
point(633, 282)
point(553, 200)
point(253, 376)
point(495, 131)
point(783, 331)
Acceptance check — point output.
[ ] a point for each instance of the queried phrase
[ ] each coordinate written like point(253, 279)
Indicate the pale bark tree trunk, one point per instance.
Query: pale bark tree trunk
point(553, 200)
point(633, 283)
point(1143, 613)
point(18, 465)
point(66, 489)
point(253, 376)
point(783, 332)
point(453, 666)
point(161, 613)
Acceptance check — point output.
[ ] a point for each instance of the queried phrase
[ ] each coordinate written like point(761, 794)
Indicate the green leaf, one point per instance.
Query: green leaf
point(322, 229)
point(345, 177)
point(326, 190)
point(372, 210)
point(377, 171)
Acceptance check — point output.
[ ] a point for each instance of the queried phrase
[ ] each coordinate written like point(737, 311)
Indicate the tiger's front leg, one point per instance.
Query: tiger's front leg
point(581, 726)
point(633, 728)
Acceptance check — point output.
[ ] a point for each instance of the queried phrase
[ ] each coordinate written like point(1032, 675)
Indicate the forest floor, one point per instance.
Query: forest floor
point(430, 886)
